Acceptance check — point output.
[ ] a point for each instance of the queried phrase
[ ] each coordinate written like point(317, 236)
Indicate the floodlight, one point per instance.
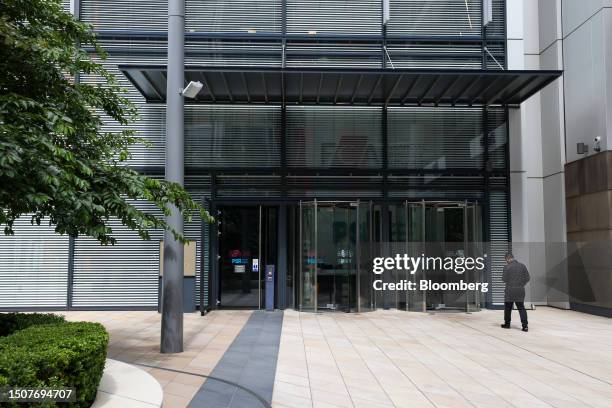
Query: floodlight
point(192, 89)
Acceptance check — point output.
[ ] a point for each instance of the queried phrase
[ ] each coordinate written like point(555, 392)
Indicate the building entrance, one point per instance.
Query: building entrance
point(247, 243)
point(444, 230)
point(334, 243)
point(337, 242)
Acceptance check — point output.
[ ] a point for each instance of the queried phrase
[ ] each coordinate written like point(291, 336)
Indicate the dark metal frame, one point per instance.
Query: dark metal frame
point(282, 40)
point(495, 87)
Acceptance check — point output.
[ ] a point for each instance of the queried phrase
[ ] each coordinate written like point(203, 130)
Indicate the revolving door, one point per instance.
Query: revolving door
point(337, 242)
point(448, 231)
point(334, 251)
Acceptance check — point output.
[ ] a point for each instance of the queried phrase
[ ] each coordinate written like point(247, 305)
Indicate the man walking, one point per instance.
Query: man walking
point(515, 277)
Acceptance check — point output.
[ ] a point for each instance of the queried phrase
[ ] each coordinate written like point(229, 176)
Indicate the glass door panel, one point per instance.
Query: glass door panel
point(336, 262)
point(238, 246)
point(475, 249)
point(308, 257)
point(365, 277)
point(330, 235)
point(415, 240)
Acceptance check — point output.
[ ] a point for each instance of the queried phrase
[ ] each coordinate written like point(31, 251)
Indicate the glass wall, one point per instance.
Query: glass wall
point(338, 241)
point(334, 247)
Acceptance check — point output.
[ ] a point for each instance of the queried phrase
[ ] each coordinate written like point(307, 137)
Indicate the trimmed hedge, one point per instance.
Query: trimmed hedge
point(11, 322)
point(56, 355)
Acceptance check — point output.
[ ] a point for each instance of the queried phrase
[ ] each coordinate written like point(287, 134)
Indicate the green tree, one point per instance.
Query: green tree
point(56, 162)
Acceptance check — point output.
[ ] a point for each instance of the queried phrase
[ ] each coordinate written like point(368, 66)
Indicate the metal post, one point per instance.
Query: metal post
point(172, 281)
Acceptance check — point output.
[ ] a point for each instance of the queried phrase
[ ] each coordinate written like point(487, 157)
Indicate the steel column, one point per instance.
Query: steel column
point(172, 281)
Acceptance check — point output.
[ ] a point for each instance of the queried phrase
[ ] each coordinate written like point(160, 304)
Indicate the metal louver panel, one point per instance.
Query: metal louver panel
point(332, 137)
point(233, 53)
point(347, 186)
point(124, 275)
point(248, 186)
point(499, 242)
point(443, 56)
point(134, 15)
point(334, 16)
point(229, 16)
point(239, 136)
point(496, 60)
point(435, 18)
point(498, 138)
point(437, 195)
point(333, 55)
point(435, 138)
point(33, 267)
point(498, 26)
point(150, 125)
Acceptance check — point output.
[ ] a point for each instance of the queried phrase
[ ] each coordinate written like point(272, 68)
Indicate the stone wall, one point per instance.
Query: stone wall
point(588, 190)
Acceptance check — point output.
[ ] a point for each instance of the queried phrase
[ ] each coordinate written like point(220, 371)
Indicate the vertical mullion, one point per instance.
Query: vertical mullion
point(283, 150)
point(385, 151)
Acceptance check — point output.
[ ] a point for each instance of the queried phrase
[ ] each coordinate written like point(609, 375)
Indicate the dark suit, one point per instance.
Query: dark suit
point(515, 277)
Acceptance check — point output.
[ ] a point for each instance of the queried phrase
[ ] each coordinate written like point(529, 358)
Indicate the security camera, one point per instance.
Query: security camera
point(597, 144)
point(192, 89)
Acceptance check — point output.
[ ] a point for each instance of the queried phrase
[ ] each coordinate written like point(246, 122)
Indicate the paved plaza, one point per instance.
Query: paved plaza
point(378, 359)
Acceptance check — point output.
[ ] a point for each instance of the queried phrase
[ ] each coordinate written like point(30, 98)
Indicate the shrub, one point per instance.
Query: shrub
point(56, 355)
point(11, 322)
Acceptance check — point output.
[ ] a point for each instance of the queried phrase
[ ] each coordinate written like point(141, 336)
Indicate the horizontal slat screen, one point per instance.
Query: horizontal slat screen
point(132, 15)
point(123, 275)
point(435, 138)
point(499, 242)
point(33, 267)
point(233, 53)
point(498, 26)
point(334, 16)
point(498, 138)
point(416, 55)
point(234, 16)
point(150, 125)
point(248, 186)
point(435, 18)
point(347, 186)
point(232, 137)
point(333, 55)
point(332, 137)
point(437, 195)
point(495, 58)
point(323, 17)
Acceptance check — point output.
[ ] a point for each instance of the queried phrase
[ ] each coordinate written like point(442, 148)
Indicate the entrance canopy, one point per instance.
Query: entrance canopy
point(330, 86)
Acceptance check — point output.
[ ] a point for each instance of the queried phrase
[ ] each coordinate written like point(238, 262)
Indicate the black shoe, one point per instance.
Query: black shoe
point(525, 329)
point(505, 326)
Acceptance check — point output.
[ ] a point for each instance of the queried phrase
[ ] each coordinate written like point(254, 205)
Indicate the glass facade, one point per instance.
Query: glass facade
point(378, 166)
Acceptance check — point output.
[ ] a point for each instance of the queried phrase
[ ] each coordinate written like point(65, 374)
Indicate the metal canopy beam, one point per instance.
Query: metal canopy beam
point(328, 86)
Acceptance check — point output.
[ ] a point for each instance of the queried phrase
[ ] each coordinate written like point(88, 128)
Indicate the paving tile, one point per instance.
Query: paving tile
point(382, 358)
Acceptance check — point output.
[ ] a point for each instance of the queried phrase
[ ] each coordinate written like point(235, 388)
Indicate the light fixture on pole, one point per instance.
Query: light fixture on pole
point(192, 89)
